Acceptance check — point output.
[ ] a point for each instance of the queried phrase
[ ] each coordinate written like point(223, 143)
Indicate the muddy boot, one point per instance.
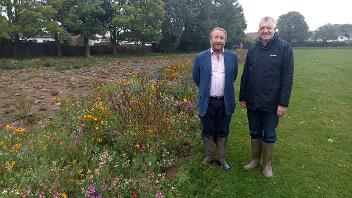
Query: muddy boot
point(208, 146)
point(268, 149)
point(255, 149)
point(221, 143)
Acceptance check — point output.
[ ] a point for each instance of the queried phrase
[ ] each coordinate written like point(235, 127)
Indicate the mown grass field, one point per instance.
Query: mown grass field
point(313, 155)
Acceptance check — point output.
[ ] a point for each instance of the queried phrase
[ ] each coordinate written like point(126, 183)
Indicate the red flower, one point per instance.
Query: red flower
point(134, 194)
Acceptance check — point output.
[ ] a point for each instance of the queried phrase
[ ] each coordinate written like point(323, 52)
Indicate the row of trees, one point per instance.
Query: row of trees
point(332, 31)
point(172, 24)
point(293, 28)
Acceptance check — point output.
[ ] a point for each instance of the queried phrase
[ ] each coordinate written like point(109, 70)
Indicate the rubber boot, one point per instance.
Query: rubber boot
point(268, 149)
point(208, 146)
point(221, 143)
point(256, 152)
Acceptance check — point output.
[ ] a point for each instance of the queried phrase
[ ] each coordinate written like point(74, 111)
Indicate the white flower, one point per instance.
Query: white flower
point(331, 140)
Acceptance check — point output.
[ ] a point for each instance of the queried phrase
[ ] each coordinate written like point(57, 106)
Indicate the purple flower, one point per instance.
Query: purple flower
point(99, 196)
point(159, 194)
point(178, 103)
point(190, 106)
point(41, 195)
point(90, 191)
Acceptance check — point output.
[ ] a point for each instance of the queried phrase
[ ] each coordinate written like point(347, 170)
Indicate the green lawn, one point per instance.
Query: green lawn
point(313, 154)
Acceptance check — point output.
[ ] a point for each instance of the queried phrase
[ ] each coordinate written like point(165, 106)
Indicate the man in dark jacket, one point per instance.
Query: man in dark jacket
point(214, 72)
point(265, 91)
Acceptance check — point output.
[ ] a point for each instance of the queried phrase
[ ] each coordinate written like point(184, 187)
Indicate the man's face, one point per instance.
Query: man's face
point(218, 40)
point(266, 30)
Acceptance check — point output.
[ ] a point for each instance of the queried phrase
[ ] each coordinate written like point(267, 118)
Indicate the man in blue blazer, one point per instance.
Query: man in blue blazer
point(214, 72)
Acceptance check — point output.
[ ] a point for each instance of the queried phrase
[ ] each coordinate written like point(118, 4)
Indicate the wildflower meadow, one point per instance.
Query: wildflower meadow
point(120, 141)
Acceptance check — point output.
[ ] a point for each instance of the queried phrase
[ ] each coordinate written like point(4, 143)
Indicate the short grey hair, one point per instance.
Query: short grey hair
point(220, 29)
point(268, 18)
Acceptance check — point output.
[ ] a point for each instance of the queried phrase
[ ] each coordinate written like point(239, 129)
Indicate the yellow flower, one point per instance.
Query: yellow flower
point(9, 127)
point(100, 107)
point(99, 139)
point(16, 129)
point(63, 195)
point(20, 130)
point(89, 117)
point(137, 146)
point(1, 143)
point(17, 147)
point(80, 172)
point(9, 165)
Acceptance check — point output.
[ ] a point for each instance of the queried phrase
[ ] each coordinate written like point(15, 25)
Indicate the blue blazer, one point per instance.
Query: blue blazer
point(201, 74)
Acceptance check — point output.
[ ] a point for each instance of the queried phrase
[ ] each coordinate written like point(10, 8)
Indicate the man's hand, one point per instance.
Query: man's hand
point(243, 104)
point(281, 111)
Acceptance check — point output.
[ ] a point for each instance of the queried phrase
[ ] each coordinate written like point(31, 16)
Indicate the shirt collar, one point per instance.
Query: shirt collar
point(212, 51)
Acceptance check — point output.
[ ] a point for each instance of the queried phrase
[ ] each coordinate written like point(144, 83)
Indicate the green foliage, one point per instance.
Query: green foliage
point(200, 17)
point(86, 17)
point(27, 19)
point(53, 12)
point(345, 30)
point(326, 32)
point(138, 20)
point(172, 26)
point(332, 31)
point(4, 27)
point(119, 26)
point(24, 17)
point(187, 23)
point(229, 14)
point(146, 19)
point(293, 27)
point(8, 64)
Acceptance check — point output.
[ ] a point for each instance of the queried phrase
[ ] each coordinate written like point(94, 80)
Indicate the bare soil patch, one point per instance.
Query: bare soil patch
point(40, 91)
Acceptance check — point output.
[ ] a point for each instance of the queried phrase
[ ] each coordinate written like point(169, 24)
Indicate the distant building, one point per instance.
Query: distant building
point(342, 39)
point(42, 38)
point(252, 35)
point(79, 41)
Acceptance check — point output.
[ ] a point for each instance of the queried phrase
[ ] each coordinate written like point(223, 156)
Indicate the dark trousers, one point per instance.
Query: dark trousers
point(262, 125)
point(215, 122)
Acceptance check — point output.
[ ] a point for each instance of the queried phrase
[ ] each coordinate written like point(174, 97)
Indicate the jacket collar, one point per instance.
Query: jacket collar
point(268, 45)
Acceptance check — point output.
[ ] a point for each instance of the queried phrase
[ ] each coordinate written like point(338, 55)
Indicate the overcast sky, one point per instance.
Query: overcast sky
point(316, 12)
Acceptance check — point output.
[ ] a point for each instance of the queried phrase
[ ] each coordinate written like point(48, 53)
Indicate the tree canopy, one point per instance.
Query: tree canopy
point(171, 24)
point(293, 27)
point(199, 17)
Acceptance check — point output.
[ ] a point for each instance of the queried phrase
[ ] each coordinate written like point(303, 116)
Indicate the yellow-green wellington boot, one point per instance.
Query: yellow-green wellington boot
point(256, 151)
point(268, 149)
